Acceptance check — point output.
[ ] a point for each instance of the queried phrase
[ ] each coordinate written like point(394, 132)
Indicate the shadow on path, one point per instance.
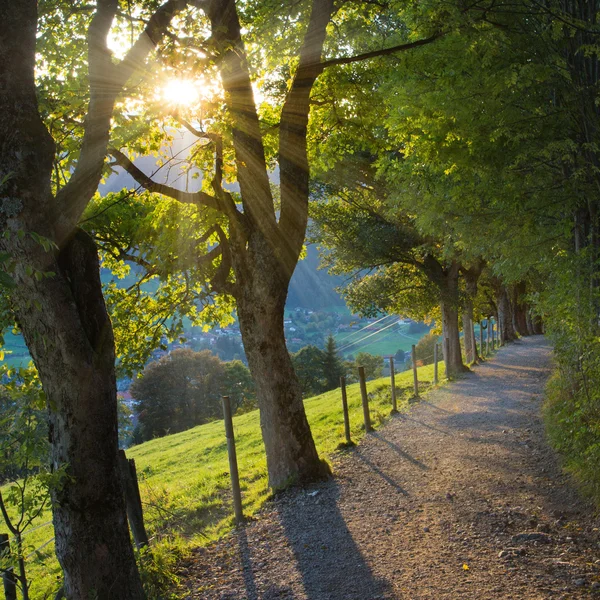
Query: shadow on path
point(329, 561)
point(379, 435)
point(246, 561)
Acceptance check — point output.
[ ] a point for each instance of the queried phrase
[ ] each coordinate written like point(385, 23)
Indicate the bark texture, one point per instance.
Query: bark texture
point(505, 315)
point(449, 306)
point(520, 310)
point(72, 345)
point(471, 276)
point(469, 335)
point(262, 251)
point(292, 456)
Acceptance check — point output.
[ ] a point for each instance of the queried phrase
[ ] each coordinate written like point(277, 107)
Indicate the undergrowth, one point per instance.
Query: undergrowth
point(572, 422)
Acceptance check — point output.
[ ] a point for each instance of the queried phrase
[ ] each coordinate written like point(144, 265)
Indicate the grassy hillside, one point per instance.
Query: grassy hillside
point(184, 478)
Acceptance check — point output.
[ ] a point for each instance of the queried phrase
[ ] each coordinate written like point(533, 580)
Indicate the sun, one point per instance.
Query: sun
point(181, 92)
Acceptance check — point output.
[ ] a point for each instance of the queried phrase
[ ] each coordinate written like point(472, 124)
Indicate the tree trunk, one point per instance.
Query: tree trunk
point(471, 277)
point(505, 315)
point(520, 310)
point(450, 330)
point(530, 325)
point(469, 335)
point(59, 306)
point(451, 340)
point(69, 335)
point(291, 453)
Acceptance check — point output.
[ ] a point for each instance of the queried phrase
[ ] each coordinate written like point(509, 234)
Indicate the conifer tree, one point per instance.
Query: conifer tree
point(333, 367)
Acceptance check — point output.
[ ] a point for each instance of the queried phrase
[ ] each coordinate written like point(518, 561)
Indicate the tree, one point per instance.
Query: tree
point(308, 365)
point(373, 364)
point(177, 392)
point(424, 349)
point(333, 368)
point(52, 267)
point(252, 241)
point(24, 463)
point(238, 385)
point(394, 267)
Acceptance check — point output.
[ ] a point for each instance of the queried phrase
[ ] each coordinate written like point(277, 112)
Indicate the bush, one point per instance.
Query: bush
point(573, 426)
point(424, 349)
point(184, 389)
point(373, 365)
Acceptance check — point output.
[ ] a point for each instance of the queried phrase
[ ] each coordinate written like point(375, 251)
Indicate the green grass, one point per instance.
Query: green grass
point(384, 343)
point(184, 478)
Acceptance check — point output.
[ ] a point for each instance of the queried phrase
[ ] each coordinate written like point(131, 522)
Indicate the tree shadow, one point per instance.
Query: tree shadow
point(247, 571)
point(330, 563)
point(381, 474)
point(379, 435)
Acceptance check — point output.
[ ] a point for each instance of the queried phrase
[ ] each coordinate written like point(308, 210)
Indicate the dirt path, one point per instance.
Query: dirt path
point(460, 498)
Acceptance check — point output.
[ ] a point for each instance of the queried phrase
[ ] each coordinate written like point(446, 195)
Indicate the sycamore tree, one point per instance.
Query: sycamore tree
point(481, 143)
point(250, 236)
point(53, 141)
point(394, 267)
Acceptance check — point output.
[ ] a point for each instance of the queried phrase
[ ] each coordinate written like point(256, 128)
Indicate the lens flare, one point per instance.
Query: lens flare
point(181, 92)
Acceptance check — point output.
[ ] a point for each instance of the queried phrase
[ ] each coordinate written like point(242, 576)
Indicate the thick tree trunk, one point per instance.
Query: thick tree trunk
point(69, 334)
point(471, 277)
point(469, 336)
point(505, 315)
point(520, 310)
point(450, 330)
point(530, 325)
point(451, 340)
point(59, 306)
point(291, 453)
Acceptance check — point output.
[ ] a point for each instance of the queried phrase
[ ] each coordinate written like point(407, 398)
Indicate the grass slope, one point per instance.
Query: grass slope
point(184, 478)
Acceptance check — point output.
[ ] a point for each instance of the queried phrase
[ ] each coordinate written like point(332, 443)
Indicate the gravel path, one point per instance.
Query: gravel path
point(460, 498)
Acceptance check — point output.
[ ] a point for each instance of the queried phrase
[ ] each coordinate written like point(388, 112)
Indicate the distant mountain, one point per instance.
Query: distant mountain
point(312, 288)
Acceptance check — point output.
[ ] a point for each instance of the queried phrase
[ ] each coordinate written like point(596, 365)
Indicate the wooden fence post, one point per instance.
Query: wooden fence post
point(233, 466)
point(435, 364)
point(393, 382)
point(8, 577)
point(133, 500)
point(481, 348)
point(365, 399)
point(414, 364)
point(345, 409)
point(446, 351)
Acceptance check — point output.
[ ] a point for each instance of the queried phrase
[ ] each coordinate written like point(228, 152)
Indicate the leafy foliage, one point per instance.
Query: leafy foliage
point(424, 349)
point(184, 389)
point(24, 464)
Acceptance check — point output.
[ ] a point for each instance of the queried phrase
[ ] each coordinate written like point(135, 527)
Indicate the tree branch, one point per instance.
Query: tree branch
point(293, 158)
point(106, 82)
point(220, 282)
point(383, 52)
point(197, 198)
